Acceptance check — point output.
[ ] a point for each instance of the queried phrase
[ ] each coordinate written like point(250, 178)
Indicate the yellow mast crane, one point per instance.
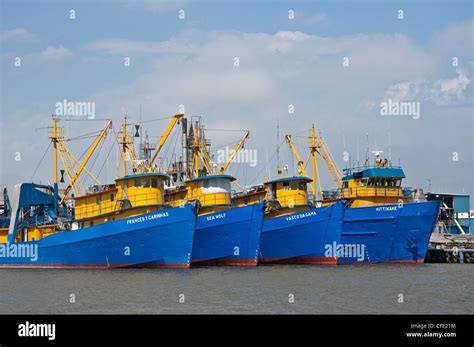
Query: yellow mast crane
point(302, 165)
point(84, 162)
point(165, 136)
point(323, 151)
point(124, 142)
point(315, 167)
point(55, 135)
point(319, 146)
point(128, 152)
point(196, 151)
point(234, 152)
point(200, 151)
point(204, 153)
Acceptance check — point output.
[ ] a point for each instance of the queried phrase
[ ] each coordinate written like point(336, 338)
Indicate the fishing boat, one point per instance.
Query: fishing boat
point(294, 231)
point(382, 222)
point(369, 218)
point(125, 224)
point(225, 234)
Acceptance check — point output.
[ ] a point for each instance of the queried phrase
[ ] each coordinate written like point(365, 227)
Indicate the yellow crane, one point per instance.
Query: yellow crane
point(165, 136)
point(234, 152)
point(302, 165)
point(317, 146)
point(200, 152)
point(128, 151)
point(57, 136)
point(334, 171)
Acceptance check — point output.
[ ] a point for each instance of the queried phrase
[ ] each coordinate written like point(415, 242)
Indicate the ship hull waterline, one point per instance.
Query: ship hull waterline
point(159, 239)
point(301, 237)
point(397, 234)
point(229, 238)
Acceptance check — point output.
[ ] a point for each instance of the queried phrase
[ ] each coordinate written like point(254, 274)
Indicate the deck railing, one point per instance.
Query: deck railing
point(108, 206)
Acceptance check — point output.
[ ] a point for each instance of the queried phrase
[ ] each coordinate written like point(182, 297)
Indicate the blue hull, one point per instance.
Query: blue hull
point(159, 239)
point(339, 235)
point(387, 233)
point(230, 237)
point(301, 237)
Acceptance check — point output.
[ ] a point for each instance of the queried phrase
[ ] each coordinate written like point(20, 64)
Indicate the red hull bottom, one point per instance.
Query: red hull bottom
point(405, 262)
point(225, 262)
point(159, 266)
point(93, 266)
point(301, 261)
point(330, 261)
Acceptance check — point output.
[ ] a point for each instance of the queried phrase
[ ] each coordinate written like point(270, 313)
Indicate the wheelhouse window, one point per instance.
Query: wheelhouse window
point(146, 182)
point(154, 183)
point(216, 185)
point(301, 185)
point(286, 186)
point(384, 182)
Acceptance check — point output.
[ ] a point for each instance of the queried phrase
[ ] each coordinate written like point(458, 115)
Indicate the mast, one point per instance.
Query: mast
point(278, 148)
point(54, 137)
point(185, 146)
point(196, 151)
point(314, 163)
point(124, 146)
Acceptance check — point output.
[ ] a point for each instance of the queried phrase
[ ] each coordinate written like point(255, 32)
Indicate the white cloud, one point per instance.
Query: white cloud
point(453, 88)
point(440, 92)
point(16, 34)
point(455, 38)
point(136, 48)
point(51, 54)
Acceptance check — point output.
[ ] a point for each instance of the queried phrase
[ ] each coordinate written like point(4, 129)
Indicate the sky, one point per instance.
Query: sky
point(335, 62)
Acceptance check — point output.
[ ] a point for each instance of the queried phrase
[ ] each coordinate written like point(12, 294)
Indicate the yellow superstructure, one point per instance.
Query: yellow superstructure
point(130, 196)
point(284, 196)
point(3, 235)
point(212, 191)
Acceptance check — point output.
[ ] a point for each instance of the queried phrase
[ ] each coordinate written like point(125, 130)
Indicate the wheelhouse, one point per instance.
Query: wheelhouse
point(289, 192)
point(370, 186)
point(130, 195)
point(213, 192)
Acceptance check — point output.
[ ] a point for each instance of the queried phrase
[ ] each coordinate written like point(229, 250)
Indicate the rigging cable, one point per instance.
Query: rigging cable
point(41, 161)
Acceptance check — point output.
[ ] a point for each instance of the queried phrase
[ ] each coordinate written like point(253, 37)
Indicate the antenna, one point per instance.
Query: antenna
point(344, 144)
point(367, 152)
point(141, 131)
point(357, 146)
point(278, 148)
point(389, 149)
